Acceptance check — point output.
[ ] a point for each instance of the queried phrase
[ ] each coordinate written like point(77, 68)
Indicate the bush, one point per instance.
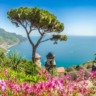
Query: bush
point(62, 86)
point(17, 63)
point(29, 68)
point(6, 73)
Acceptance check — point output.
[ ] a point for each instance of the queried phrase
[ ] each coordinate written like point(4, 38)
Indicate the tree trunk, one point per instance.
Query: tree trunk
point(33, 54)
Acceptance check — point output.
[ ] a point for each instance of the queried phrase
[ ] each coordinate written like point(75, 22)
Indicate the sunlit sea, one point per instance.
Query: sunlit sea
point(75, 51)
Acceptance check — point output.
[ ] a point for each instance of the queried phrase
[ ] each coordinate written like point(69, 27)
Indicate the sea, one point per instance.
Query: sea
point(75, 51)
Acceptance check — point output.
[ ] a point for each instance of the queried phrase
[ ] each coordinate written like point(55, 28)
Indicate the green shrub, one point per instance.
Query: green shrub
point(18, 76)
point(30, 68)
point(15, 60)
point(19, 64)
point(53, 71)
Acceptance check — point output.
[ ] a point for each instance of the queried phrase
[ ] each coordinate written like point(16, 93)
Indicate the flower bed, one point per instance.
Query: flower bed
point(54, 86)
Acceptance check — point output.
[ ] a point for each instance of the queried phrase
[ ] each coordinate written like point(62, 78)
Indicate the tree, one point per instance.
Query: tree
point(37, 19)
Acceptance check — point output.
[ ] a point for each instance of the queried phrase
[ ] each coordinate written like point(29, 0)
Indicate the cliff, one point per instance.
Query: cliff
point(8, 39)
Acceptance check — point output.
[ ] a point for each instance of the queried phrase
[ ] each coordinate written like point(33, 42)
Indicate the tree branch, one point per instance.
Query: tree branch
point(45, 40)
point(39, 31)
point(30, 29)
point(38, 42)
point(31, 42)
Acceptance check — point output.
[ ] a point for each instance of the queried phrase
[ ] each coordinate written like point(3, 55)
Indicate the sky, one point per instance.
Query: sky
point(78, 16)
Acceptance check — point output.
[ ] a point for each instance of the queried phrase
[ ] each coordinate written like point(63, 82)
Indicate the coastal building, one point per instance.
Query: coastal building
point(50, 62)
point(37, 60)
point(60, 71)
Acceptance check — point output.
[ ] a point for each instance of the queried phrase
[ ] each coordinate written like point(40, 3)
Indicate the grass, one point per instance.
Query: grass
point(2, 50)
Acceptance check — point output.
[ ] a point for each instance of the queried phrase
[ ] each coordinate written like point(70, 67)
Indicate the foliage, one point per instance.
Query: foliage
point(18, 76)
point(16, 82)
point(37, 19)
point(17, 63)
point(62, 86)
point(4, 61)
point(15, 60)
point(2, 55)
point(2, 50)
point(55, 38)
point(29, 68)
point(53, 71)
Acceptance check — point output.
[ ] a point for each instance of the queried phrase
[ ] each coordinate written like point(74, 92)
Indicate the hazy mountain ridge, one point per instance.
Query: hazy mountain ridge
point(7, 38)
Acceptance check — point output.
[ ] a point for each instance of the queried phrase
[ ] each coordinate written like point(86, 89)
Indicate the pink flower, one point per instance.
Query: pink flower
point(6, 72)
point(2, 85)
point(16, 87)
point(93, 75)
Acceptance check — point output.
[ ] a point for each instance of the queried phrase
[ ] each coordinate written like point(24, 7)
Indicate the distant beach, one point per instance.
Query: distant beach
point(9, 46)
point(6, 47)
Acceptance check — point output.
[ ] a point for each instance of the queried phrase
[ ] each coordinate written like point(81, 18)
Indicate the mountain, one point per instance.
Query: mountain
point(9, 39)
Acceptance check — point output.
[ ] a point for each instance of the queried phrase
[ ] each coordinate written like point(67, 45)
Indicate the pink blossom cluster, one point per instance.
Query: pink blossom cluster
point(56, 86)
point(93, 75)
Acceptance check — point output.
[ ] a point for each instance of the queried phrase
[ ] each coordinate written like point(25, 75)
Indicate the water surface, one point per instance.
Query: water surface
point(75, 51)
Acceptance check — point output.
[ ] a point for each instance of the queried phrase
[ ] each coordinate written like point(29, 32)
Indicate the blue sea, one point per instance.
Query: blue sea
point(75, 51)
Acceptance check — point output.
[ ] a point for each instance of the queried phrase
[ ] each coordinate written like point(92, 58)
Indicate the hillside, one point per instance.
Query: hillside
point(7, 39)
point(73, 71)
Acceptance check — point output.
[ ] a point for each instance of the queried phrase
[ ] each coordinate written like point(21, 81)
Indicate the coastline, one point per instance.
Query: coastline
point(5, 47)
point(9, 46)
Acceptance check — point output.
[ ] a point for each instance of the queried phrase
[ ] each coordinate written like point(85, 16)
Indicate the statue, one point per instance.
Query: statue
point(37, 60)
